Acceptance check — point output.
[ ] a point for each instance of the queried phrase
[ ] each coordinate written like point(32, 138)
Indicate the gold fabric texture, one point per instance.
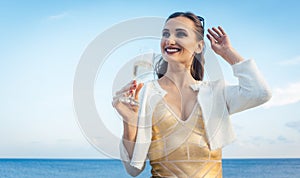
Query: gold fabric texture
point(179, 148)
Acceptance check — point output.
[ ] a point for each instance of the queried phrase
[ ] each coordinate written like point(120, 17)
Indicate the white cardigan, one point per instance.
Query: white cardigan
point(217, 101)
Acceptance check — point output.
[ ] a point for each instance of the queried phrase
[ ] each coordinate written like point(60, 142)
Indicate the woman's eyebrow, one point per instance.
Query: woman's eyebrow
point(177, 29)
point(181, 29)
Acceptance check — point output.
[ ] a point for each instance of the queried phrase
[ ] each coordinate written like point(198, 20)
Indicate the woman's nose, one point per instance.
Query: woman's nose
point(170, 41)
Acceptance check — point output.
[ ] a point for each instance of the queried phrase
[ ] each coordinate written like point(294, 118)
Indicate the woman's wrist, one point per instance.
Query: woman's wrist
point(129, 136)
point(232, 56)
point(130, 131)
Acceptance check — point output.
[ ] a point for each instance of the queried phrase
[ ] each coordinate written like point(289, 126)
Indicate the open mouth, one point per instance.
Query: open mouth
point(172, 50)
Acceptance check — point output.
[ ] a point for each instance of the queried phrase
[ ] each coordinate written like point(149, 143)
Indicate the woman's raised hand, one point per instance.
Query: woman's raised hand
point(221, 45)
point(128, 108)
point(219, 40)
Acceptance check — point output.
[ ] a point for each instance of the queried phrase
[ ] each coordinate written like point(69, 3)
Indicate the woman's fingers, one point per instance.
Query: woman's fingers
point(222, 30)
point(124, 93)
point(130, 86)
point(126, 97)
point(216, 30)
point(115, 101)
point(138, 89)
point(211, 39)
point(216, 33)
point(213, 34)
point(128, 102)
point(121, 95)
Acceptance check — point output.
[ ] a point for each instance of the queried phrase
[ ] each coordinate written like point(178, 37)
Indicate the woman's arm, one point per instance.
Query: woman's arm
point(133, 171)
point(129, 113)
point(252, 89)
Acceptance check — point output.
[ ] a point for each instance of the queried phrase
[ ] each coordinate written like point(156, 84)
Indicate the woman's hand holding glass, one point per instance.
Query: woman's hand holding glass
point(126, 103)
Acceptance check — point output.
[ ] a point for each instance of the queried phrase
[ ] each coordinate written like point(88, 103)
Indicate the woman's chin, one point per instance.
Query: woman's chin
point(170, 58)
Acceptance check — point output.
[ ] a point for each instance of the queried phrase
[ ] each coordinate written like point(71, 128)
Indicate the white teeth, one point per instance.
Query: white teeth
point(172, 50)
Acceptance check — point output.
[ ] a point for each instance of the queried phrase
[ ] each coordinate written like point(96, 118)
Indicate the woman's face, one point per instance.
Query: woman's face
point(179, 41)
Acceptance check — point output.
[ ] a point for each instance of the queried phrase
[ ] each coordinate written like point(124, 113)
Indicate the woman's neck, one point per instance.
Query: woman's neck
point(179, 74)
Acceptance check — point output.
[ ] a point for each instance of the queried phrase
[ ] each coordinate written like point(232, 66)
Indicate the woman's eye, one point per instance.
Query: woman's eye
point(181, 34)
point(166, 34)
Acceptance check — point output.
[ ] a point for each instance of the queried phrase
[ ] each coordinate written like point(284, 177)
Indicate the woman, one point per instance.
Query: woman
point(182, 123)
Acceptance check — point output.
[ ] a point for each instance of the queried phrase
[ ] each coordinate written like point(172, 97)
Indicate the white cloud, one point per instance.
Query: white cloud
point(293, 61)
point(294, 125)
point(58, 16)
point(284, 96)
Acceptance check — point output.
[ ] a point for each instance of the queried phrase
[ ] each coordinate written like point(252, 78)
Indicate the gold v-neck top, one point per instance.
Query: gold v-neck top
point(179, 148)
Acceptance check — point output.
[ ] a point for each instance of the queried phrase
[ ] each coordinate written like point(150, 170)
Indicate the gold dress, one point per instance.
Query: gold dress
point(179, 148)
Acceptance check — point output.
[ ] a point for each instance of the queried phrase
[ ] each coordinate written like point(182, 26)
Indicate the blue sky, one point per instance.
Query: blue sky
point(42, 42)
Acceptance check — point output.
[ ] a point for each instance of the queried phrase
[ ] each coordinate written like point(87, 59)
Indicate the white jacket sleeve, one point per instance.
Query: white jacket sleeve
point(131, 164)
point(251, 91)
point(133, 171)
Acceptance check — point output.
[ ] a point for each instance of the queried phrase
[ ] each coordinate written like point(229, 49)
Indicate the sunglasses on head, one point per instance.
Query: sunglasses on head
point(201, 20)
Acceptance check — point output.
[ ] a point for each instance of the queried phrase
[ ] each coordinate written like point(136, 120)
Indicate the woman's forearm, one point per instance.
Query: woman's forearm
point(129, 137)
point(232, 56)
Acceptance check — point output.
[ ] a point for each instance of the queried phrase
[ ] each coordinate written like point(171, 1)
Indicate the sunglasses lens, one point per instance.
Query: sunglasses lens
point(202, 20)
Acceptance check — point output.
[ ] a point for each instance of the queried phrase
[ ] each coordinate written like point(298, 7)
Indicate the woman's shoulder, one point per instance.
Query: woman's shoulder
point(209, 83)
point(153, 86)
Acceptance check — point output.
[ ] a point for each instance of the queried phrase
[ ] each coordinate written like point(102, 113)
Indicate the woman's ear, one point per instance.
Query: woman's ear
point(200, 46)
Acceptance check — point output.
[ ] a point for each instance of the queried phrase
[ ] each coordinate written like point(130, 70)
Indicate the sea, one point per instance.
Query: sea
point(98, 168)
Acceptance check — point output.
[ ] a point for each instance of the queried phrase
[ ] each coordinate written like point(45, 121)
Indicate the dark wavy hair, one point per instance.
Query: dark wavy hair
point(197, 68)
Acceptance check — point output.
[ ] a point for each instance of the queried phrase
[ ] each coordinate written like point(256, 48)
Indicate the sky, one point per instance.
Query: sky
point(42, 44)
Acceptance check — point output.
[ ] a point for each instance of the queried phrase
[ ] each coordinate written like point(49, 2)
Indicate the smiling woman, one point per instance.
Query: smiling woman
point(192, 29)
point(181, 122)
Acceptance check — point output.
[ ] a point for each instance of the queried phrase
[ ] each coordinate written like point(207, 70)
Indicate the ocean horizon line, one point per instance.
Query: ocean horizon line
point(110, 159)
